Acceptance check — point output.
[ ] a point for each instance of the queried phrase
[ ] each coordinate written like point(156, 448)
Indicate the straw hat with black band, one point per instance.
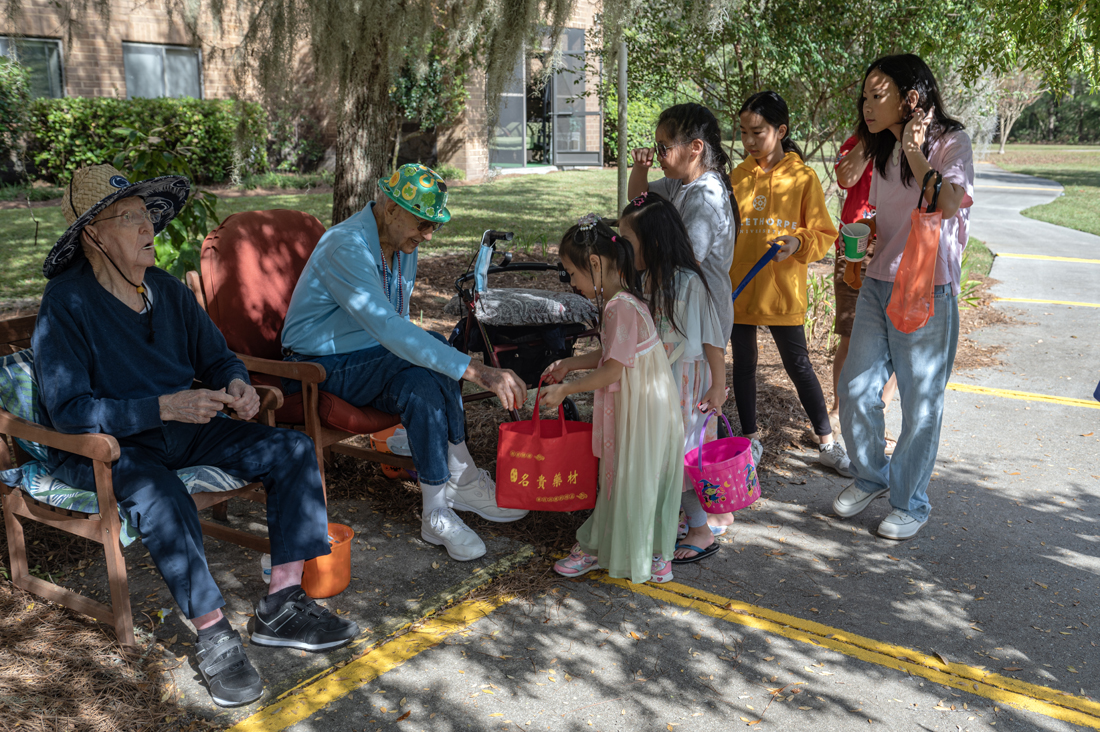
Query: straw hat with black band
point(96, 187)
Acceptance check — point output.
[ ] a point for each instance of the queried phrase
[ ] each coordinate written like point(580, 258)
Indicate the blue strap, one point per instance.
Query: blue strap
point(768, 256)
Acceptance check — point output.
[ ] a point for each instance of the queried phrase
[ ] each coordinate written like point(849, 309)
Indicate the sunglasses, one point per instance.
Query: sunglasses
point(563, 276)
point(662, 149)
point(427, 227)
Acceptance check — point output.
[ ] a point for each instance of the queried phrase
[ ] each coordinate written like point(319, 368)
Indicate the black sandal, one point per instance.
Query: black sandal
point(699, 553)
point(228, 673)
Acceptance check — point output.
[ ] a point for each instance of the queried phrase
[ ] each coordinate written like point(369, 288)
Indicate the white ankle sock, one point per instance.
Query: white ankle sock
point(434, 497)
point(461, 464)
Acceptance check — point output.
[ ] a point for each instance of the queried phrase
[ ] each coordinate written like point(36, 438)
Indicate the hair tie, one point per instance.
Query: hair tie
point(639, 199)
point(588, 222)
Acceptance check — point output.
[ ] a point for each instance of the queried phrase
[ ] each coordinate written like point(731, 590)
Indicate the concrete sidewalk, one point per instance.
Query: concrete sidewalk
point(986, 620)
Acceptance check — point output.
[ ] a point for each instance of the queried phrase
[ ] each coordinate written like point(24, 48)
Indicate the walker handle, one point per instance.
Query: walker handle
point(703, 431)
point(561, 410)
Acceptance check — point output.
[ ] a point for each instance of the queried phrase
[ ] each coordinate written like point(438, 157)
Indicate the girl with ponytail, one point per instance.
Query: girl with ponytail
point(781, 203)
point(688, 145)
point(637, 431)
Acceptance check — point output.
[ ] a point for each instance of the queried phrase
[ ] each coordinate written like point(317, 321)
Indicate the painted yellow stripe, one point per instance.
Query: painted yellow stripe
point(976, 680)
point(317, 693)
point(1051, 189)
point(1049, 302)
point(1023, 395)
point(1049, 258)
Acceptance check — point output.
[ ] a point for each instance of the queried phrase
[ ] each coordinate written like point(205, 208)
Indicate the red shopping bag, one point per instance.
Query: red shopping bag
point(546, 465)
point(911, 299)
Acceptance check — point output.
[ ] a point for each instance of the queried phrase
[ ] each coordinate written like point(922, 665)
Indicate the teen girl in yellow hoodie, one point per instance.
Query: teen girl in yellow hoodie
point(781, 202)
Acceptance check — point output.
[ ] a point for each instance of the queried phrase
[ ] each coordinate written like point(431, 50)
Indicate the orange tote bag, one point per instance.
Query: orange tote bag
point(546, 465)
point(911, 299)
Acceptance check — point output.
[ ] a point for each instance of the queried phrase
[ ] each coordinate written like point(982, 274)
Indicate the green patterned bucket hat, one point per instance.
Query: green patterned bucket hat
point(419, 190)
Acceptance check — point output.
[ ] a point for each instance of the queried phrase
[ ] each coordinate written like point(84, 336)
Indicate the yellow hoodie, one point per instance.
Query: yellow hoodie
point(786, 200)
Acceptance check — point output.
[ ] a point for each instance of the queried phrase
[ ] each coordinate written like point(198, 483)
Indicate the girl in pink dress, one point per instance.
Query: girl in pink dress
point(638, 432)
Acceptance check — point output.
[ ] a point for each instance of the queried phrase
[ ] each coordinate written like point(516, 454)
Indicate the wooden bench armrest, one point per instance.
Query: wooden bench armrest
point(304, 371)
point(270, 397)
point(93, 445)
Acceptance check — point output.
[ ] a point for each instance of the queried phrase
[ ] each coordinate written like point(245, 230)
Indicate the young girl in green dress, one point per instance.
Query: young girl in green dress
point(638, 432)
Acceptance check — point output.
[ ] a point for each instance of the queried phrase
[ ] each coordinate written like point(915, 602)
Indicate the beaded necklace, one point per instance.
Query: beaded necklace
point(400, 287)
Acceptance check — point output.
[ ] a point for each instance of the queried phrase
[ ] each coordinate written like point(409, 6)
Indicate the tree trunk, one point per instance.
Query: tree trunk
point(1004, 135)
point(396, 146)
point(362, 143)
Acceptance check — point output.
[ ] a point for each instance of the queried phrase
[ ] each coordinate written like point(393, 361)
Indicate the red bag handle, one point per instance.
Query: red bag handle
point(535, 415)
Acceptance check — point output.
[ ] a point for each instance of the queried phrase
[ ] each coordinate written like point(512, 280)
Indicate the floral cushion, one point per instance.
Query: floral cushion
point(528, 307)
point(19, 396)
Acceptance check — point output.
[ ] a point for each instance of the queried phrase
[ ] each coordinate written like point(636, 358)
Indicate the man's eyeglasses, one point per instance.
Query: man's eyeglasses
point(134, 218)
point(427, 227)
point(662, 149)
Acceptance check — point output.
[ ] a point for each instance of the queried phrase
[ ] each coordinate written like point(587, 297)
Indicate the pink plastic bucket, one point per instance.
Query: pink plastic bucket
point(722, 472)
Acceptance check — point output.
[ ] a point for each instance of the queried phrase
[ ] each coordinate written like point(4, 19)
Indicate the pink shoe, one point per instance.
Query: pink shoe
point(576, 564)
point(662, 570)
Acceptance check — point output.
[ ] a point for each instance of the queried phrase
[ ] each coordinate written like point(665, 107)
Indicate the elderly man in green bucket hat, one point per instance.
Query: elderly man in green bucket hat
point(350, 313)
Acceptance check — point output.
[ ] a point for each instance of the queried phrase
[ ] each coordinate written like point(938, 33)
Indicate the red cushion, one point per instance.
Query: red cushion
point(337, 414)
point(250, 265)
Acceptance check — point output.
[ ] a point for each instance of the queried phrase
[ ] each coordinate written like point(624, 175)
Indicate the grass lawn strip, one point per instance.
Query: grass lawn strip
point(1076, 168)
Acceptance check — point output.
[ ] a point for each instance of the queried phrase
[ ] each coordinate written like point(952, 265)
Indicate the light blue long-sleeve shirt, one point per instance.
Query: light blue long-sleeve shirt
point(340, 306)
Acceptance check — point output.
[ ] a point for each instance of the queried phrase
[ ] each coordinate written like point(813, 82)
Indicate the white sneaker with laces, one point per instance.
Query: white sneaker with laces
point(443, 527)
point(833, 456)
point(480, 496)
point(852, 501)
point(899, 525)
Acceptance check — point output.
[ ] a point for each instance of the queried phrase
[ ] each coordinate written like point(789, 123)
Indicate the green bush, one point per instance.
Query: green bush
point(450, 172)
point(223, 136)
point(14, 98)
point(641, 123)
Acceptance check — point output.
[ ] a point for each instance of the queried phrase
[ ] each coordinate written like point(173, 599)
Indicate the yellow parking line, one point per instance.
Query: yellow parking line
point(317, 693)
point(1049, 258)
point(974, 679)
point(1051, 189)
point(1049, 302)
point(1024, 395)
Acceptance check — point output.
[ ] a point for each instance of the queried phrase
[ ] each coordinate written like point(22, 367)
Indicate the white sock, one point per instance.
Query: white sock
point(461, 464)
point(434, 497)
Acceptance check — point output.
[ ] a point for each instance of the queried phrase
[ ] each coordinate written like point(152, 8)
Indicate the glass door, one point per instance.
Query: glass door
point(575, 115)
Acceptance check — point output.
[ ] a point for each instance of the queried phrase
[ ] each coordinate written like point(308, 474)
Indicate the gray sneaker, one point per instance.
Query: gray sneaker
point(899, 525)
point(834, 456)
point(852, 501)
point(480, 496)
point(443, 527)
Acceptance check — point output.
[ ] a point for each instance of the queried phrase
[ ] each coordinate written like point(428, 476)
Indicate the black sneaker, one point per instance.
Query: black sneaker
point(303, 624)
point(228, 672)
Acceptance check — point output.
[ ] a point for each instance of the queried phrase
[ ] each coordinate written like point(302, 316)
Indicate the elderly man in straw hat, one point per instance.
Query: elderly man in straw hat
point(117, 345)
point(350, 313)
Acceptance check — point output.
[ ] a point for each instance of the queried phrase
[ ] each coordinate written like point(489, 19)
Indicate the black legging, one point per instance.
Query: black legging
point(791, 342)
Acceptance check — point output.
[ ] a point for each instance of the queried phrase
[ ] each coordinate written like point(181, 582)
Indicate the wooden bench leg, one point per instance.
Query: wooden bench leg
point(221, 511)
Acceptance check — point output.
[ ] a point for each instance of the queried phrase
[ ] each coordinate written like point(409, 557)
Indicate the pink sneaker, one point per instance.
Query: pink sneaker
point(576, 564)
point(662, 570)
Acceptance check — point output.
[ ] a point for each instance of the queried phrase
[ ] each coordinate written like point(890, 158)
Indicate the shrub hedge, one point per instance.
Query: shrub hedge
point(69, 133)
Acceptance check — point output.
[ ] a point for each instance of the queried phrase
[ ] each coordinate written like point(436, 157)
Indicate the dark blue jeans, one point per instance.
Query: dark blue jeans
point(430, 404)
point(160, 508)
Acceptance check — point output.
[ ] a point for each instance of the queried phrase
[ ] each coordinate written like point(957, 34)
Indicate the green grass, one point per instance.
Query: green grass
point(538, 208)
point(1076, 168)
point(981, 259)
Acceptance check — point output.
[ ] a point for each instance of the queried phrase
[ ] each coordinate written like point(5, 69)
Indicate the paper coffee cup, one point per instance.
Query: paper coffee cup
point(855, 238)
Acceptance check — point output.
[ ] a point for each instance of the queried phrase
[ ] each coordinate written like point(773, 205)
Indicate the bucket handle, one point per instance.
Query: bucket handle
point(561, 410)
point(703, 431)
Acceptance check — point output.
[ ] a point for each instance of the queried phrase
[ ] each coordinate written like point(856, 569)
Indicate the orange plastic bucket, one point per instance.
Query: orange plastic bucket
point(331, 574)
point(378, 442)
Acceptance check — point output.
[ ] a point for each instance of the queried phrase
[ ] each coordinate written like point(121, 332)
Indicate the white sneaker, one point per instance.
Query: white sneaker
point(900, 525)
point(852, 501)
point(833, 456)
point(444, 528)
point(480, 496)
point(757, 451)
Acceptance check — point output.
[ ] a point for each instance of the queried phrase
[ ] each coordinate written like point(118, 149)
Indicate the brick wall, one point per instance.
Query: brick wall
point(93, 65)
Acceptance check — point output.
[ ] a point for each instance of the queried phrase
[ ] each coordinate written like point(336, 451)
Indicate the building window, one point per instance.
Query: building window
point(162, 71)
point(42, 59)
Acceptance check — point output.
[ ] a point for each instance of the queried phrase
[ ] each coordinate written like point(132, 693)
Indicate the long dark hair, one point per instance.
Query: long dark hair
point(583, 240)
point(773, 108)
point(666, 247)
point(909, 73)
point(687, 122)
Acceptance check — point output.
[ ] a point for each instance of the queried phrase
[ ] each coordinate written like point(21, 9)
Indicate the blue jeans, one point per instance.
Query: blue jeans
point(430, 404)
point(158, 504)
point(922, 361)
